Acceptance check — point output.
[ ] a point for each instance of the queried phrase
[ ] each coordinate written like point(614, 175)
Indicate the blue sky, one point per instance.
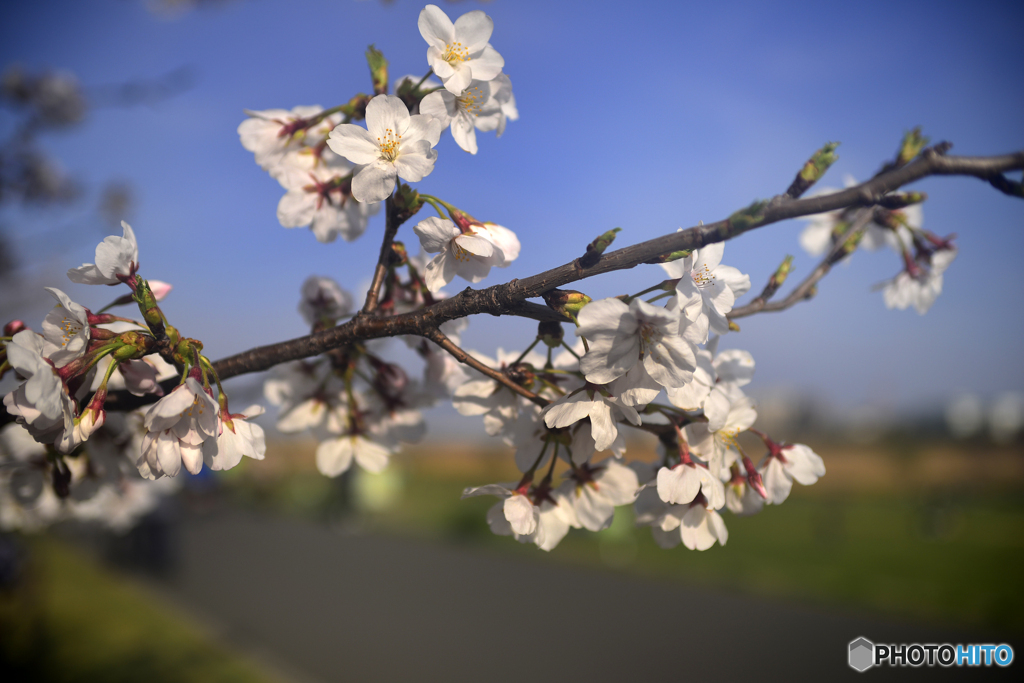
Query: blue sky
point(644, 115)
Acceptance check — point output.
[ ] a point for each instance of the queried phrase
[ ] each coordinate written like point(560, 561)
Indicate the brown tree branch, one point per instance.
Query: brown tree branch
point(438, 337)
point(510, 298)
point(391, 224)
point(805, 290)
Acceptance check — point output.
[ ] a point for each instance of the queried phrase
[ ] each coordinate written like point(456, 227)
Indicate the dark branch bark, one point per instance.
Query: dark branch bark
point(805, 290)
point(391, 224)
point(438, 337)
point(510, 298)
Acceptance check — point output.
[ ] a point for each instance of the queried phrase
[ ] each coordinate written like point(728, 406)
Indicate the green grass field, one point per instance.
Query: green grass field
point(73, 621)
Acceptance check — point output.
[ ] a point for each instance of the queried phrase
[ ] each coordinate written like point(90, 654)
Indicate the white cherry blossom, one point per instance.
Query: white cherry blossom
point(712, 444)
point(320, 196)
point(591, 402)
point(116, 258)
point(335, 456)
point(40, 401)
point(704, 280)
point(700, 527)
point(595, 492)
point(237, 438)
point(176, 427)
point(476, 108)
point(498, 404)
point(273, 134)
point(621, 336)
point(921, 287)
point(784, 464)
point(66, 327)
point(323, 299)
point(681, 484)
point(501, 87)
point(469, 254)
point(393, 144)
point(740, 497)
point(459, 52)
point(519, 512)
point(727, 372)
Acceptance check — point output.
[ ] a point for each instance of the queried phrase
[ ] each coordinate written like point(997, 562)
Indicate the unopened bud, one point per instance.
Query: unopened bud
point(568, 302)
point(671, 256)
point(158, 288)
point(754, 478)
point(597, 247)
point(355, 108)
point(913, 143)
point(551, 333)
point(813, 170)
point(521, 374)
point(378, 70)
point(848, 247)
point(391, 379)
point(146, 299)
point(399, 256)
point(406, 203)
point(899, 200)
point(14, 327)
point(462, 219)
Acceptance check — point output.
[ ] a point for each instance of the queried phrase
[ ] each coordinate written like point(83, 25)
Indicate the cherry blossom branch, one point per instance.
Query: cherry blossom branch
point(510, 298)
point(438, 337)
point(391, 225)
point(774, 282)
point(806, 289)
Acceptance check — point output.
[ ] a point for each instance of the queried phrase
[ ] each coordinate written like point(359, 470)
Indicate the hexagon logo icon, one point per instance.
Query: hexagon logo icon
point(862, 654)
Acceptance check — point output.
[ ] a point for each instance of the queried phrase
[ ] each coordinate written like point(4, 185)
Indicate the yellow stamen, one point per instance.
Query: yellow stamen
point(471, 100)
point(390, 145)
point(455, 53)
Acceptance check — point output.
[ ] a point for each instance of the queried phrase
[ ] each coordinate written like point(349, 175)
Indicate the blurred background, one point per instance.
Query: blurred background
point(646, 115)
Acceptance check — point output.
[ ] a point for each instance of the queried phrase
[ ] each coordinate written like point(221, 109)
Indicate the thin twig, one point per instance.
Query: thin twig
point(438, 337)
point(804, 290)
point(383, 261)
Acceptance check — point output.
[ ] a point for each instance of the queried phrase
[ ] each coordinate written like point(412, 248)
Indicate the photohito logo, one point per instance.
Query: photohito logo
point(863, 654)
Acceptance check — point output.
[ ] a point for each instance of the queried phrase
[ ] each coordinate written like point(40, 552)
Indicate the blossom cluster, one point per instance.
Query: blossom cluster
point(336, 172)
point(67, 371)
point(357, 405)
point(924, 256)
point(630, 352)
point(647, 361)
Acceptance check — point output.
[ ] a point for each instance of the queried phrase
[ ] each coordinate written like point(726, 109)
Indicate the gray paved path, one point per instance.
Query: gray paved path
point(332, 607)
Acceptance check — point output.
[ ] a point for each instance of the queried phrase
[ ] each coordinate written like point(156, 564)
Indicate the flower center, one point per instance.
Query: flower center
point(703, 277)
point(649, 335)
point(197, 406)
point(471, 100)
point(389, 145)
point(728, 436)
point(460, 253)
point(70, 329)
point(455, 53)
